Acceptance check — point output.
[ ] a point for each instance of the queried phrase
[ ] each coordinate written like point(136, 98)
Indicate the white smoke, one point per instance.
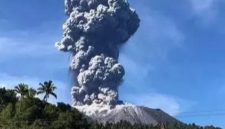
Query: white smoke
point(93, 34)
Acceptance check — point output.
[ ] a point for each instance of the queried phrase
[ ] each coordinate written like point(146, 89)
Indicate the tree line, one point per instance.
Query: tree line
point(47, 88)
point(20, 108)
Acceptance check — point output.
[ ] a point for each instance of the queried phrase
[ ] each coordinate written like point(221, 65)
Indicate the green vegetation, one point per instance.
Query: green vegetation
point(48, 89)
point(126, 125)
point(22, 90)
point(20, 109)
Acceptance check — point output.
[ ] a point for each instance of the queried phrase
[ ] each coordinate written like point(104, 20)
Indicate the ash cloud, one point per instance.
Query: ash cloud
point(93, 34)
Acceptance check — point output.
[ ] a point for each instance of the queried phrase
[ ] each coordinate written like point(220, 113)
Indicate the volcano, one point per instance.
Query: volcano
point(127, 112)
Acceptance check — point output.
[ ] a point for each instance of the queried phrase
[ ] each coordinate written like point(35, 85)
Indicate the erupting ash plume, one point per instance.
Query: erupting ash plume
point(93, 34)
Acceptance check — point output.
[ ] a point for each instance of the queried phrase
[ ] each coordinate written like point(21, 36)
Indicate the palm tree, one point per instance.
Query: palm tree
point(47, 88)
point(22, 90)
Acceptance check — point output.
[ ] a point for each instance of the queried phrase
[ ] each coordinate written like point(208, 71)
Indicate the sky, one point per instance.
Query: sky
point(175, 61)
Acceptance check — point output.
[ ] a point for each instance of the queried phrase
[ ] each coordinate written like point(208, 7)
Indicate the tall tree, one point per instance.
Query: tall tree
point(47, 88)
point(22, 90)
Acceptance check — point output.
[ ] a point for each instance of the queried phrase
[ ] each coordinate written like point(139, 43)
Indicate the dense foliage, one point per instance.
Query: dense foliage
point(126, 125)
point(21, 110)
point(32, 113)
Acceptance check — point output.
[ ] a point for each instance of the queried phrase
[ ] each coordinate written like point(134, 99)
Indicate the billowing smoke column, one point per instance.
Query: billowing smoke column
point(93, 34)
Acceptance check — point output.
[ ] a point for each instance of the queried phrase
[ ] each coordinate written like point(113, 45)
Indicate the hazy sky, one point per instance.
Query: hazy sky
point(175, 61)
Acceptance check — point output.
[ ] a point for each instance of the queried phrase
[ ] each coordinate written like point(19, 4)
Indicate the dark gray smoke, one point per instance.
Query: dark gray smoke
point(93, 34)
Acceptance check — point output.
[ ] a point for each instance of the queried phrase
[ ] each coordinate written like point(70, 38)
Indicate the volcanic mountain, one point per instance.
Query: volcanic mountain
point(126, 112)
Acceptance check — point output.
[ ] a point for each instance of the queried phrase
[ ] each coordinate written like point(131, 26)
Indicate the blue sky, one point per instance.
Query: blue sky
point(175, 61)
